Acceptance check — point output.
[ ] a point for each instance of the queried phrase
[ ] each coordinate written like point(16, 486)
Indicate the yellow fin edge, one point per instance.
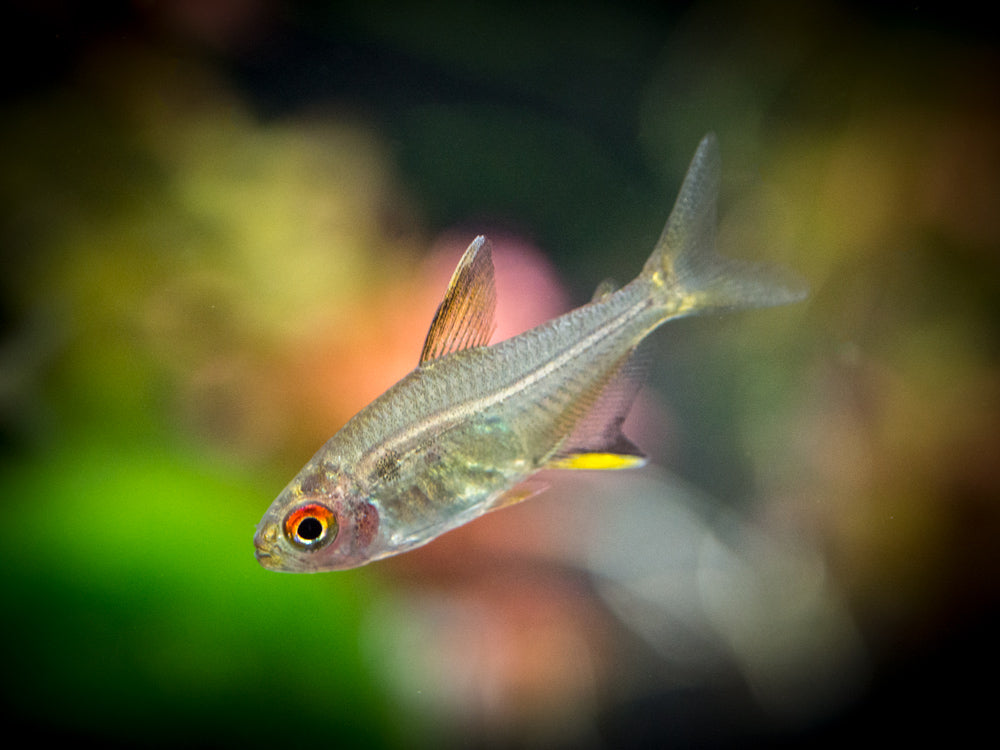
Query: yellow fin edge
point(598, 461)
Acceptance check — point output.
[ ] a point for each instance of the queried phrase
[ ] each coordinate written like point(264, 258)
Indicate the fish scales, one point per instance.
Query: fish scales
point(505, 380)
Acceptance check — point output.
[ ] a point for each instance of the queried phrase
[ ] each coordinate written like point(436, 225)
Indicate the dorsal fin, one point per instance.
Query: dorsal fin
point(465, 316)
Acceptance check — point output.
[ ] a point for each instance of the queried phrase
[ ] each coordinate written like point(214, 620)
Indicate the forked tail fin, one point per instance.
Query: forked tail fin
point(684, 262)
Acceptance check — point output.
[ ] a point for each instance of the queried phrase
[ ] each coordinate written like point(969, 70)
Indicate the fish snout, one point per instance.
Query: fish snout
point(265, 542)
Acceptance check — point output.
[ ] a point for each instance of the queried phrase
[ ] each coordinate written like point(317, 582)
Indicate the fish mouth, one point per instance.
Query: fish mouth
point(269, 558)
point(265, 543)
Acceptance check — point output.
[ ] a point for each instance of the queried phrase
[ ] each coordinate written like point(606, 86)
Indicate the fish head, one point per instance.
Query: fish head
point(319, 522)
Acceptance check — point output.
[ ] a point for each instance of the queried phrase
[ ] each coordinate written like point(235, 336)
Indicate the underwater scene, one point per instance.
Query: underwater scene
point(226, 229)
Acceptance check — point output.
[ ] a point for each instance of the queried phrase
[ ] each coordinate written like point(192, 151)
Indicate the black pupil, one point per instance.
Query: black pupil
point(310, 529)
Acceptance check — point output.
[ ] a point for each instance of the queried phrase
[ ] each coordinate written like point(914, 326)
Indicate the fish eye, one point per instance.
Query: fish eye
point(311, 526)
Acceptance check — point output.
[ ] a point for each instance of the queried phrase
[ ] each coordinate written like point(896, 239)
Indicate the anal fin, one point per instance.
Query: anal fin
point(597, 442)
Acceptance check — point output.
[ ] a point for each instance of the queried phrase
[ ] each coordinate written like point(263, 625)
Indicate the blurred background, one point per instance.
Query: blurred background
point(225, 227)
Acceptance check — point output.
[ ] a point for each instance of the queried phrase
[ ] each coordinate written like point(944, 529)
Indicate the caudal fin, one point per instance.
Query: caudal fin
point(685, 263)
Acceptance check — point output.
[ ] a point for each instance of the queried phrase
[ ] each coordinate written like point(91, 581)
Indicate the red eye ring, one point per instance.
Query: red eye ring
point(311, 526)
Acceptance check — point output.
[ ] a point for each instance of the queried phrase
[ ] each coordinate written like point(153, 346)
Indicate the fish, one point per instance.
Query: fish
point(466, 432)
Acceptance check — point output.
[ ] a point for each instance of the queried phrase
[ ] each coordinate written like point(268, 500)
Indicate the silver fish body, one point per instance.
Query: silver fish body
point(463, 433)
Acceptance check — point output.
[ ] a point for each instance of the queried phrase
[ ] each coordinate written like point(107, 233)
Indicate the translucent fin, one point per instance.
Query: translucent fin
point(519, 493)
point(685, 263)
point(597, 441)
point(465, 317)
point(605, 288)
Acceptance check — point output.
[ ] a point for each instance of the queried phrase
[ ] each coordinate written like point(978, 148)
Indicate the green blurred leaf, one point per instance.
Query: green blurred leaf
point(141, 613)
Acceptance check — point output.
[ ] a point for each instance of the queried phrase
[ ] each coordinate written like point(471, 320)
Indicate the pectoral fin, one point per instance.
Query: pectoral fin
point(464, 318)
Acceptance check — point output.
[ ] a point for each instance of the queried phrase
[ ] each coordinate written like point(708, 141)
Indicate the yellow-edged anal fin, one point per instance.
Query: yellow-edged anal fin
point(598, 461)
